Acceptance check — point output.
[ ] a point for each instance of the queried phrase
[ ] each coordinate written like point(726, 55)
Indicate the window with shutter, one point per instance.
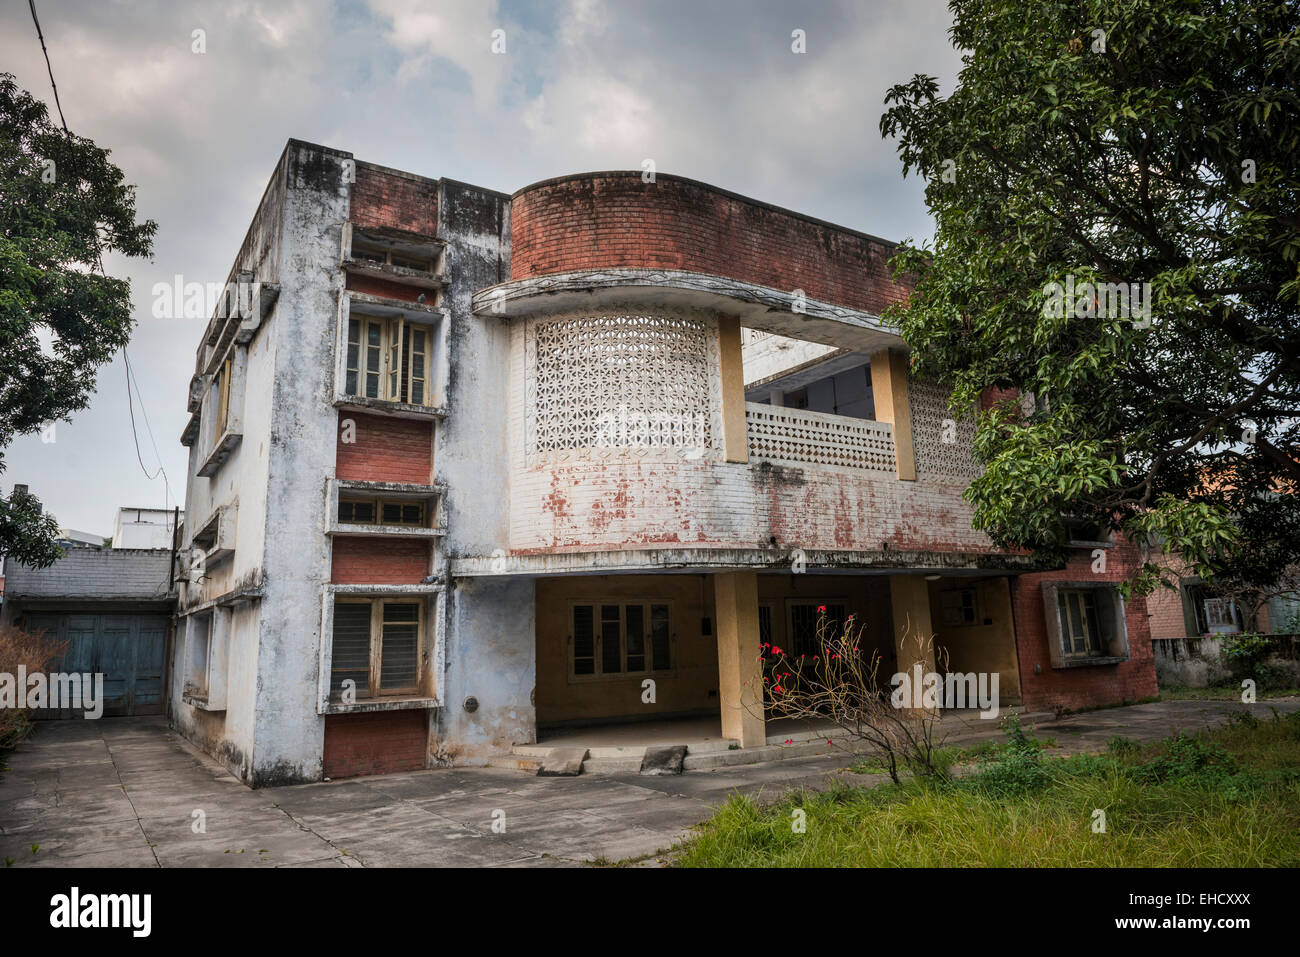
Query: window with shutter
point(377, 645)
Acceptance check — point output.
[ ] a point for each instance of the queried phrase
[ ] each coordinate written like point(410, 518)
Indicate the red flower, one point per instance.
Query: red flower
point(777, 651)
point(821, 608)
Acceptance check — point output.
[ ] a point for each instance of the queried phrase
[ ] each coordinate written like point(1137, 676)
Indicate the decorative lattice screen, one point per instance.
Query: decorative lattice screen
point(621, 382)
point(797, 435)
point(942, 439)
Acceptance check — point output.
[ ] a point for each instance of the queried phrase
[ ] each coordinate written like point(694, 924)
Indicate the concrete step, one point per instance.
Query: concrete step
point(623, 765)
point(562, 763)
point(702, 756)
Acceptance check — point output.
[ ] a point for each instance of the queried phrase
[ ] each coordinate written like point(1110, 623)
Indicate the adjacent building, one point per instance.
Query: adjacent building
point(111, 606)
point(469, 467)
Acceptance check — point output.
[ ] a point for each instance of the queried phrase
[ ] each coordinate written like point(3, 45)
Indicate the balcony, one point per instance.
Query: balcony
point(801, 437)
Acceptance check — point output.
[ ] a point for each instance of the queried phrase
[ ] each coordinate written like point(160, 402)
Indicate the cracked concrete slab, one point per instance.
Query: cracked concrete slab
point(121, 792)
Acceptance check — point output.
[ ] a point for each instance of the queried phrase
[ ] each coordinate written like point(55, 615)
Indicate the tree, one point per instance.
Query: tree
point(1116, 196)
point(62, 205)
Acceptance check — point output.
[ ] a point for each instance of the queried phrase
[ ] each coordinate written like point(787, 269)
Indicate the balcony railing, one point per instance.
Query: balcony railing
point(797, 435)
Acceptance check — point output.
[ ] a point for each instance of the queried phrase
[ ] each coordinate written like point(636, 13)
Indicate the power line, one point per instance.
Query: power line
point(99, 256)
point(40, 36)
point(130, 377)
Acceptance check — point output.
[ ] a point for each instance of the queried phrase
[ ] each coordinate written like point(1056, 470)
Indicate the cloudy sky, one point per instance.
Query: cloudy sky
point(709, 90)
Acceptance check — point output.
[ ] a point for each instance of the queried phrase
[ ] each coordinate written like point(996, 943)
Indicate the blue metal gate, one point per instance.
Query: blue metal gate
point(127, 649)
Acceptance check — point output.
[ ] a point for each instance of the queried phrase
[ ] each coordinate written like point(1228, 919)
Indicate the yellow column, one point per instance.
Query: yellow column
point(909, 598)
point(740, 675)
point(734, 439)
point(889, 390)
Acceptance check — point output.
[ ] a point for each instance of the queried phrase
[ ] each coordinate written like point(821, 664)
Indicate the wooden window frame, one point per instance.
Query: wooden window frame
point(1112, 638)
point(222, 386)
point(961, 607)
point(1094, 644)
point(373, 690)
point(395, 368)
point(598, 651)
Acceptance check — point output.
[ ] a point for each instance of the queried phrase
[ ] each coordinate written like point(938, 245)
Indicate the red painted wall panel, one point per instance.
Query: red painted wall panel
point(380, 742)
point(379, 561)
point(386, 449)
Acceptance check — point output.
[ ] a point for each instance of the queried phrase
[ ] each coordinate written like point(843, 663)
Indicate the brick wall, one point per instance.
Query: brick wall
point(386, 449)
point(94, 573)
point(613, 219)
point(1088, 686)
point(379, 561)
point(389, 290)
point(380, 742)
point(395, 200)
point(1165, 607)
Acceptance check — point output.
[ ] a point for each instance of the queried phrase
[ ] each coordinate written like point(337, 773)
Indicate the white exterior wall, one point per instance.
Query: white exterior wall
point(144, 528)
point(486, 646)
point(289, 734)
point(766, 354)
point(269, 731)
point(240, 484)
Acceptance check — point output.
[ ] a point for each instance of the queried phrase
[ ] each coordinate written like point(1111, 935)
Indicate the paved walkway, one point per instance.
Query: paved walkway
point(127, 792)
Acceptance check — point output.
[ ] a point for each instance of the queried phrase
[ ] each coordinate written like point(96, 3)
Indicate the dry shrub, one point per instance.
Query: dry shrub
point(37, 651)
point(843, 684)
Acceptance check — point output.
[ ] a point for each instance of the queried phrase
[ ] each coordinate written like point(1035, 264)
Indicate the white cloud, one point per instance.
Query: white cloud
point(708, 90)
point(460, 31)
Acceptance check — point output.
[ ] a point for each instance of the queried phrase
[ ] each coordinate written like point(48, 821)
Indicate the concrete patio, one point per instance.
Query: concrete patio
point(127, 792)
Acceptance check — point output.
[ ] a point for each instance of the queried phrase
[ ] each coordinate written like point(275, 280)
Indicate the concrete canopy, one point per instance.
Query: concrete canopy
point(758, 307)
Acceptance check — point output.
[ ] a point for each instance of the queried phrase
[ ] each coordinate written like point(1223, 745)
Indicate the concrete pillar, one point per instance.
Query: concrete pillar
point(735, 441)
point(889, 390)
point(909, 599)
point(740, 674)
point(776, 397)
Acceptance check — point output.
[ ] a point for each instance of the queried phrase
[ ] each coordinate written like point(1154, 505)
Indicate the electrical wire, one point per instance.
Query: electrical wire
point(130, 377)
point(130, 374)
point(40, 36)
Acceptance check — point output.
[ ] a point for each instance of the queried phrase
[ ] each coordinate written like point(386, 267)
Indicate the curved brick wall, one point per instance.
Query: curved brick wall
point(603, 220)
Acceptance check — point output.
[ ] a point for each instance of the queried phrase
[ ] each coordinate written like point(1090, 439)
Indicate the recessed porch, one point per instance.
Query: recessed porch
point(627, 664)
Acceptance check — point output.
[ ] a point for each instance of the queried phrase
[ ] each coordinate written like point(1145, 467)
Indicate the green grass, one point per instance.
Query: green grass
point(953, 756)
point(1224, 798)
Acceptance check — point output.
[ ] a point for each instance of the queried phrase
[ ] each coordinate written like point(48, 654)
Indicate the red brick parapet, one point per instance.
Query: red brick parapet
point(614, 220)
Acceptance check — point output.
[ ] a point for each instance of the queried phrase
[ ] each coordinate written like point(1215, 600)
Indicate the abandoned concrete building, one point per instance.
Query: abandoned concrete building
point(471, 470)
